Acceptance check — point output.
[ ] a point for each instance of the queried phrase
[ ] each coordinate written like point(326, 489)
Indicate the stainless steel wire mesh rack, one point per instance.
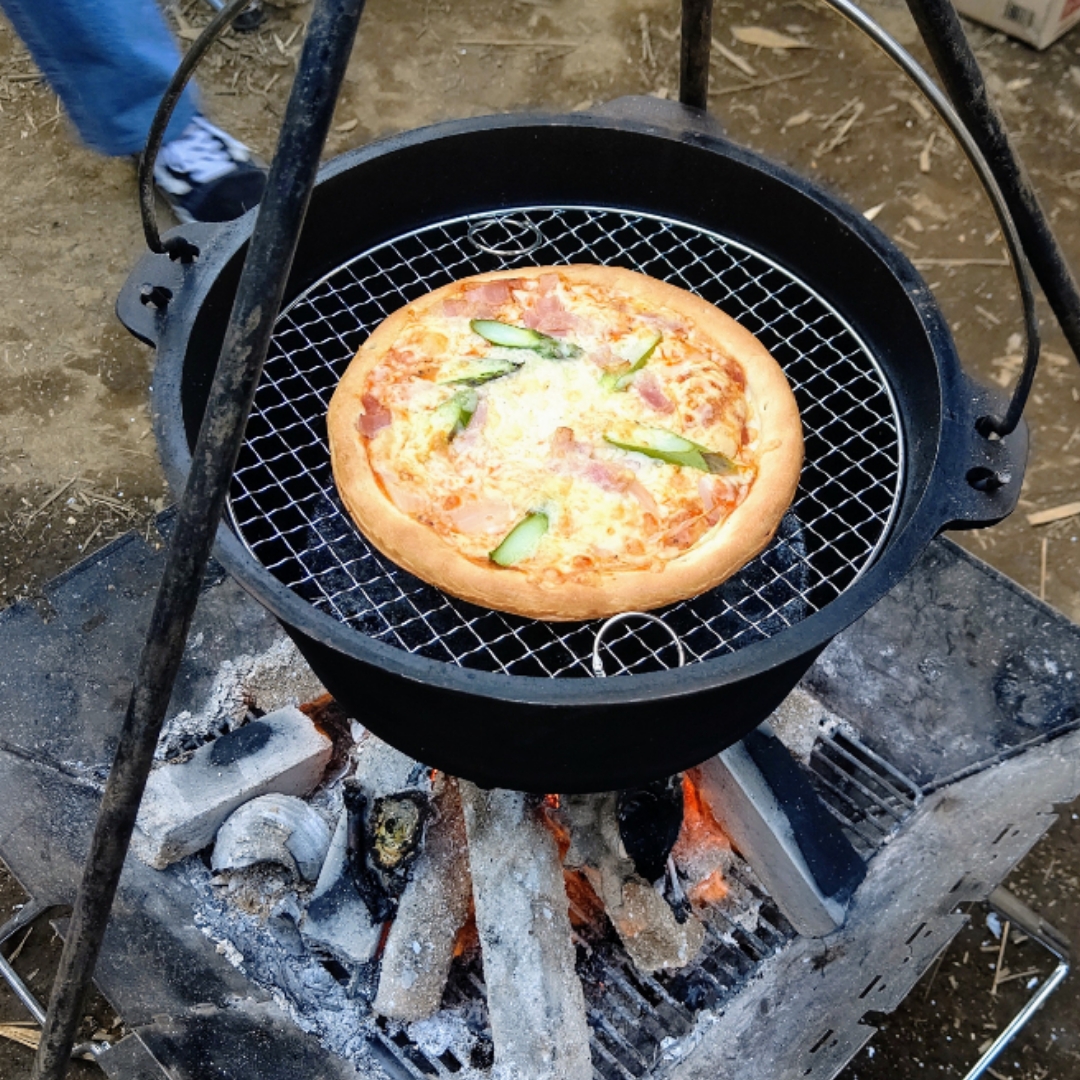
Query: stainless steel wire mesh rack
point(285, 507)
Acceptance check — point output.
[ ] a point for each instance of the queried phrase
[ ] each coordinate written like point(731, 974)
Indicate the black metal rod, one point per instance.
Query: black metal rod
point(326, 52)
point(694, 53)
point(959, 71)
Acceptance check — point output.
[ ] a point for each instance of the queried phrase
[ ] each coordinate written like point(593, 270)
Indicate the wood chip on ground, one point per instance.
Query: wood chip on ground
point(1055, 513)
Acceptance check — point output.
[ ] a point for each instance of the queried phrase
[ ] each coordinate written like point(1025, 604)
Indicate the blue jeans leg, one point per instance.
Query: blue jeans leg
point(109, 61)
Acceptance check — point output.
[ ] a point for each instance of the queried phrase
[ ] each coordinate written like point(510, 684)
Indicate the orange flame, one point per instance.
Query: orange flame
point(702, 843)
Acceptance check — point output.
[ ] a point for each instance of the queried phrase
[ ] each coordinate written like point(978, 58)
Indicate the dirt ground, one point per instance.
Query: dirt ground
point(77, 459)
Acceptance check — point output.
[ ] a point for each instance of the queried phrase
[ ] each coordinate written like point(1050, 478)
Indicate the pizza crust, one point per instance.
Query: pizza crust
point(730, 545)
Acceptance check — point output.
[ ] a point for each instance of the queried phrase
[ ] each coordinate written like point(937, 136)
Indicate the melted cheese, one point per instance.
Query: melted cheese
point(536, 439)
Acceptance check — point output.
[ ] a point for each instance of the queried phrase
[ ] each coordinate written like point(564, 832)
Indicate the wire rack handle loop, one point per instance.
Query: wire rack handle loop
point(515, 246)
point(608, 624)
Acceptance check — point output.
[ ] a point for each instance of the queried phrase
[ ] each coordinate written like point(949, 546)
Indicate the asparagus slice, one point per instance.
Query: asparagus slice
point(521, 337)
point(636, 354)
point(457, 411)
point(664, 445)
point(483, 371)
point(521, 541)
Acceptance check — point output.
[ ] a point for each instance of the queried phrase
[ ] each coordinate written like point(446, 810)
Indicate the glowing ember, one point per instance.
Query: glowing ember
point(703, 849)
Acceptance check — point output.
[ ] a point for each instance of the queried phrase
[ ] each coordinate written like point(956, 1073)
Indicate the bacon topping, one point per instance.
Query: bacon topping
point(374, 417)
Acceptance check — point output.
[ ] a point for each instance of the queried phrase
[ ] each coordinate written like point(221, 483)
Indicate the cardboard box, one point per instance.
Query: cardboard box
point(1038, 22)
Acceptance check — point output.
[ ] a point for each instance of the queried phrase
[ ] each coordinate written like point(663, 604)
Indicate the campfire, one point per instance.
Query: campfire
point(370, 893)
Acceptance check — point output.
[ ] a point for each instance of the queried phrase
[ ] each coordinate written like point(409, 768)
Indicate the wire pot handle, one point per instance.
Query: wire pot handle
point(987, 425)
point(176, 247)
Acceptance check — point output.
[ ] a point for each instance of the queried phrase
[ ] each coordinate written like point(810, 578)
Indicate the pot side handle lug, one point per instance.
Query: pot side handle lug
point(983, 486)
point(155, 285)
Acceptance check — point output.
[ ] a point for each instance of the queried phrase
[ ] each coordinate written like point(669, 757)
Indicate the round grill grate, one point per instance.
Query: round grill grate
point(286, 510)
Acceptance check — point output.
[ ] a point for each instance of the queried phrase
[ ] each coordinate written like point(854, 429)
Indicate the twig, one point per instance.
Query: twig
point(511, 42)
point(20, 1034)
point(1042, 570)
point(933, 974)
point(922, 264)
point(734, 59)
point(1055, 513)
point(760, 83)
point(842, 111)
point(19, 948)
point(86, 543)
point(51, 499)
point(1000, 958)
point(1018, 975)
point(1049, 870)
point(924, 153)
point(647, 54)
point(988, 315)
point(827, 146)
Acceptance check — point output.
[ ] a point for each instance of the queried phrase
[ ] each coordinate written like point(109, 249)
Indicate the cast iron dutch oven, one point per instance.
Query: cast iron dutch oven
point(643, 184)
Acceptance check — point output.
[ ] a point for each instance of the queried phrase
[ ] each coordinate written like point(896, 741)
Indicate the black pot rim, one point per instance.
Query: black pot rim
point(944, 500)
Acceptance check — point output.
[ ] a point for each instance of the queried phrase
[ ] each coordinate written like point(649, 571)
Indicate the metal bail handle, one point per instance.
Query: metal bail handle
point(176, 247)
point(693, 90)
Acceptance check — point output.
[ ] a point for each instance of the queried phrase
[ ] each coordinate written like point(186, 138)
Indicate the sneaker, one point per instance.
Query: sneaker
point(207, 175)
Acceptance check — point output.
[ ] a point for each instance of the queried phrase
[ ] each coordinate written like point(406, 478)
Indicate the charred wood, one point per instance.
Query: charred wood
point(650, 818)
point(653, 933)
point(535, 1001)
point(433, 907)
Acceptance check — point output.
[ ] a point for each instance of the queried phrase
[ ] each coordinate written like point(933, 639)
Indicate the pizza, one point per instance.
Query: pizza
point(565, 442)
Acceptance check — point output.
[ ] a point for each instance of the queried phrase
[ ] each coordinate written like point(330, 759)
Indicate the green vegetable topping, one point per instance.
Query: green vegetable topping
point(456, 412)
point(664, 445)
point(636, 351)
point(521, 541)
point(483, 371)
point(521, 337)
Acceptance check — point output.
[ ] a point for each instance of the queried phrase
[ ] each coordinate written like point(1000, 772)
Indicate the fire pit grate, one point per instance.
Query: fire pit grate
point(641, 1025)
point(869, 797)
point(285, 506)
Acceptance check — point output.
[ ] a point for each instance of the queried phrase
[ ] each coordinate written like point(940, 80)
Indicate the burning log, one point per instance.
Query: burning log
point(376, 840)
point(435, 904)
point(535, 1000)
point(387, 802)
point(653, 934)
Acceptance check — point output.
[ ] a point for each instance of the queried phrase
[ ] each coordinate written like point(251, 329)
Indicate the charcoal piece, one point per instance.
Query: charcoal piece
point(535, 1001)
point(433, 907)
point(366, 879)
point(649, 821)
point(338, 921)
point(652, 932)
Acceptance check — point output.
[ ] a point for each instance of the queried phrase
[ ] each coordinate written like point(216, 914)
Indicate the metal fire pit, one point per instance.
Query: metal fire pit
point(987, 757)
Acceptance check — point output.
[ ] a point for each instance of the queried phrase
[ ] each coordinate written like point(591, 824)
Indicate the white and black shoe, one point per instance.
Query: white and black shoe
point(207, 175)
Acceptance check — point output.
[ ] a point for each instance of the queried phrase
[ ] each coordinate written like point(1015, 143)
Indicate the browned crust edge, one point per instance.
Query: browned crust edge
point(745, 533)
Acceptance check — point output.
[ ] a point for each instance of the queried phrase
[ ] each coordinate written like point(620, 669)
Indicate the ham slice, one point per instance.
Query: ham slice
point(651, 392)
point(487, 516)
point(549, 316)
point(374, 417)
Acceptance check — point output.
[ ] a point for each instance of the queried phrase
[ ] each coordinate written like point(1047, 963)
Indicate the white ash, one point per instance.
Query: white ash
point(266, 948)
point(535, 999)
point(801, 719)
point(437, 1034)
point(265, 682)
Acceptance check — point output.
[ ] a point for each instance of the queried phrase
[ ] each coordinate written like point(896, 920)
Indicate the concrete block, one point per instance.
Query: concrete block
point(185, 804)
